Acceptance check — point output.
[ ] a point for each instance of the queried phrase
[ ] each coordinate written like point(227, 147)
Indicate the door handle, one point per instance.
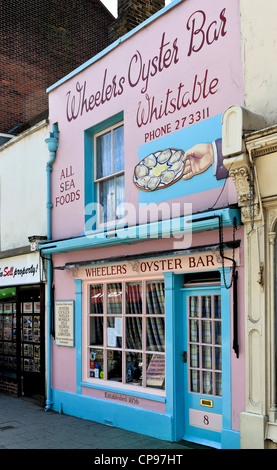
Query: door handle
point(185, 356)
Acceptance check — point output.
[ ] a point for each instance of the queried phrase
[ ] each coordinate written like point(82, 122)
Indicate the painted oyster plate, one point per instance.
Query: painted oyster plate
point(159, 170)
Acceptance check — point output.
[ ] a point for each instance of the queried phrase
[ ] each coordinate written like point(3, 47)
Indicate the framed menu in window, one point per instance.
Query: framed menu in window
point(64, 323)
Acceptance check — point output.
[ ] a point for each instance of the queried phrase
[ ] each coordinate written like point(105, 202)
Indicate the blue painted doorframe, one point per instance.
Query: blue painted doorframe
point(192, 399)
point(176, 405)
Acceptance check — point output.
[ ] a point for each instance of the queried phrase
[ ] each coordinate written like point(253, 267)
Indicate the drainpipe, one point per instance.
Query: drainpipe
point(52, 143)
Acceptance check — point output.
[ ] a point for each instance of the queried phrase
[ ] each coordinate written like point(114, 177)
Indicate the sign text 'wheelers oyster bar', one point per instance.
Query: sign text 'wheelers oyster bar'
point(155, 266)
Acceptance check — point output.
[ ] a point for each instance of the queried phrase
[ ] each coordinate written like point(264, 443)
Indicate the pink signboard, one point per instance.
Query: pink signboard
point(172, 79)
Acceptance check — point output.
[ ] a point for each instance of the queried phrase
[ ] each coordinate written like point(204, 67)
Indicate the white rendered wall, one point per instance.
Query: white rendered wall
point(23, 187)
point(259, 52)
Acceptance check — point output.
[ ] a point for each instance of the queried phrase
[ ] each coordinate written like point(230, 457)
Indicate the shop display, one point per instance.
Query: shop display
point(30, 336)
point(8, 335)
point(127, 333)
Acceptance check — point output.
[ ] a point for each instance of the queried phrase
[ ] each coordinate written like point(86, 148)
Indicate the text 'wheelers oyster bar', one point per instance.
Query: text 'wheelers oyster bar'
point(155, 266)
point(146, 318)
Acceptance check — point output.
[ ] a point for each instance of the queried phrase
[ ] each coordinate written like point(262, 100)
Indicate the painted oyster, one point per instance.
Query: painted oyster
point(153, 183)
point(150, 161)
point(175, 157)
point(167, 177)
point(143, 182)
point(177, 166)
point(141, 170)
point(164, 156)
point(159, 169)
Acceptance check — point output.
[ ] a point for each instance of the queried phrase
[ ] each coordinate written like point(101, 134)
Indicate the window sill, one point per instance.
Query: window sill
point(154, 395)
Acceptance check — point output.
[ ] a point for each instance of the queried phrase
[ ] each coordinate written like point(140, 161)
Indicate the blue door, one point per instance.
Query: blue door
point(203, 365)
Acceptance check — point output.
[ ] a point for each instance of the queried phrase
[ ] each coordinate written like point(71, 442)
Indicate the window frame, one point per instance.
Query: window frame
point(124, 385)
point(112, 176)
point(201, 344)
point(91, 196)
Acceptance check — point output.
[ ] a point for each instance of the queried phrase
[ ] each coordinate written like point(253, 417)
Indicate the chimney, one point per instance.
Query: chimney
point(131, 14)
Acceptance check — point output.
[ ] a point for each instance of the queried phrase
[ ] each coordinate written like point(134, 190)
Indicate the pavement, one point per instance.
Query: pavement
point(25, 425)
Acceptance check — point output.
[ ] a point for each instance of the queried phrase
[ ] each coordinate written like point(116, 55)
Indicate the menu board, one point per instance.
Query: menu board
point(64, 323)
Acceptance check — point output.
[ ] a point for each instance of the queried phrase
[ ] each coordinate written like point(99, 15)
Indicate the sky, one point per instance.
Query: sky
point(112, 5)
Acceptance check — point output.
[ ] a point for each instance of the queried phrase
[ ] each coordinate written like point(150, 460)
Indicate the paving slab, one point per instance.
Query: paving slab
point(25, 425)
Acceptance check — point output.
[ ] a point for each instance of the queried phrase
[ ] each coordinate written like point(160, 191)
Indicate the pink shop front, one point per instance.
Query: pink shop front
point(144, 249)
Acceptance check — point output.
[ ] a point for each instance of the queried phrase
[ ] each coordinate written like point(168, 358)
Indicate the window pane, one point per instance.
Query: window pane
point(115, 366)
point(118, 149)
point(155, 334)
point(120, 197)
point(207, 357)
point(218, 364)
point(133, 333)
point(155, 298)
point(207, 382)
point(194, 355)
point(155, 372)
point(193, 331)
point(134, 298)
point(134, 368)
point(217, 306)
point(114, 300)
point(96, 331)
point(193, 307)
point(96, 364)
point(195, 381)
point(103, 152)
point(217, 328)
point(206, 332)
point(107, 200)
point(206, 306)
point(96, 298)
point(114, 332)
point(218, 384)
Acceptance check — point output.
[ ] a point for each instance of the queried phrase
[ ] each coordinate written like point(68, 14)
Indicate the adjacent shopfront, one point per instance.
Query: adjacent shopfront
point(146, 250)
point(22, 301)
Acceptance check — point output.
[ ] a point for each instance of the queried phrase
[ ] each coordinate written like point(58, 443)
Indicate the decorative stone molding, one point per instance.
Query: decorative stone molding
point(272, 219)
point(239, 171)
point(241, 180)
point(247, 213)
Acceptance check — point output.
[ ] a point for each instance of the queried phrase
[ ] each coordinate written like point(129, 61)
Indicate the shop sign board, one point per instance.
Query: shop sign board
point(23, 269)
point(207, 261)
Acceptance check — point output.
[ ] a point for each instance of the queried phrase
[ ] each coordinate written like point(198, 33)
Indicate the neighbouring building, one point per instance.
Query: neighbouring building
point(22, 273)
point(249, 148)
point(40, 42)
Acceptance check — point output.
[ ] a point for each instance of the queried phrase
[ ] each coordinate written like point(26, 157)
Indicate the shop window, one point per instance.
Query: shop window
point(126, 333)
point(204, 327)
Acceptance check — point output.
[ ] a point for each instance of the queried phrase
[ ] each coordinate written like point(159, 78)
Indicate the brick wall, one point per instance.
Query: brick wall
point(9, 386)
point(131, 14)
point(40, 42)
